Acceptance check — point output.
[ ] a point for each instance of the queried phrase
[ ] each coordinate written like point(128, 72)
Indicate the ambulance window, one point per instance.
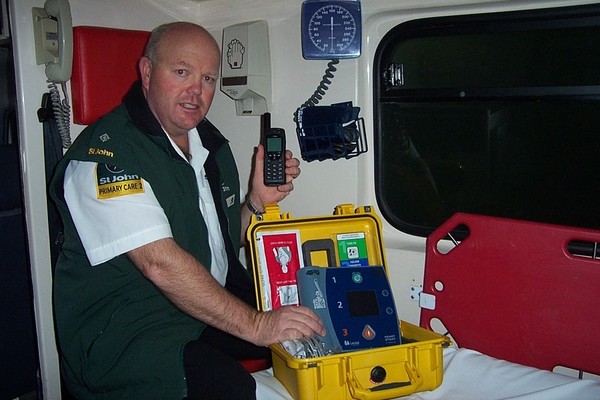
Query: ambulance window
point(495, 114)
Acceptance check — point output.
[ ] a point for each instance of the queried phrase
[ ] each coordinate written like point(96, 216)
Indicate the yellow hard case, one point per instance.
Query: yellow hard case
point(414, 366)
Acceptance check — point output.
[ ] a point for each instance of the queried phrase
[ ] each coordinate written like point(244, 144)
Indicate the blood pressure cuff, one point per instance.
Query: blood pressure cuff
point(328, 131)
point(340, 113)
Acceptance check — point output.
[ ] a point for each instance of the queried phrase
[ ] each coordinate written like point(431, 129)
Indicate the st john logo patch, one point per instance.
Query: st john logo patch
point(113, 182)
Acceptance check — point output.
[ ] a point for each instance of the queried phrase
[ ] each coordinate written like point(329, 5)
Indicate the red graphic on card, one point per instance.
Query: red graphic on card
point(283, 261)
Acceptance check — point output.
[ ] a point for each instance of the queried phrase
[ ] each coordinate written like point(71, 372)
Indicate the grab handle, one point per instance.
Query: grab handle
point(387, 390)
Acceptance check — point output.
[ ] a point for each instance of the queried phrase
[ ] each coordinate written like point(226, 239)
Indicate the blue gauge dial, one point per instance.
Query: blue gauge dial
point(331, 29)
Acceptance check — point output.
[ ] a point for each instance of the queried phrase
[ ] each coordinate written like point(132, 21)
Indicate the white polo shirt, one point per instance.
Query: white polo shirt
point(109, 227)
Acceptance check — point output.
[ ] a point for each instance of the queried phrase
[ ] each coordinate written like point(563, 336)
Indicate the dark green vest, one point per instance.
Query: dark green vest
point(119, 337)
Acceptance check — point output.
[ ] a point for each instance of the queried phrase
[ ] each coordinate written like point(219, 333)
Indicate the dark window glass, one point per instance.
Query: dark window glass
point(490, 114)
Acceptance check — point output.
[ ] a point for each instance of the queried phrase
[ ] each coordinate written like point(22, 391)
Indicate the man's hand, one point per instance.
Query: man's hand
point(286, 323)
point(261, 194)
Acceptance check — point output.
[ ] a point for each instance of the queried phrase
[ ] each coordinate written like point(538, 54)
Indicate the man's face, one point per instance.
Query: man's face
point(180, 86)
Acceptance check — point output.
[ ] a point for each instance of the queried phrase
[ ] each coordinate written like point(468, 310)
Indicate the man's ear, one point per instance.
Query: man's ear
point(145, 67)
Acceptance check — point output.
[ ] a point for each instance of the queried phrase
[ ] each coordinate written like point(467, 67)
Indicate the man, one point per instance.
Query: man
point(151, 301)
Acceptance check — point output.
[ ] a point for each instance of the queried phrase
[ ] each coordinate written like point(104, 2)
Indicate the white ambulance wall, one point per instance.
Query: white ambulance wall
point(31, 84)
point(321, 186)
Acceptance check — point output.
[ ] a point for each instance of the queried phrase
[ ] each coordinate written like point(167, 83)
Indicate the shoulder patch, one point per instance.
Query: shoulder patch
point(113, 182)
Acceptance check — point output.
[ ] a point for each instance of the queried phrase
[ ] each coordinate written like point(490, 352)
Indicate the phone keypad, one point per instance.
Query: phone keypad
point(275, 171)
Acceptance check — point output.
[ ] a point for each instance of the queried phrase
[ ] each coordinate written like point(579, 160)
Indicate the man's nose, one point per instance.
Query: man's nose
point(195, 88)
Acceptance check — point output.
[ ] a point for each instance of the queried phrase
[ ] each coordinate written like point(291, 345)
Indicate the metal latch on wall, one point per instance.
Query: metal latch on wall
point(394, 75)
point(425, 300)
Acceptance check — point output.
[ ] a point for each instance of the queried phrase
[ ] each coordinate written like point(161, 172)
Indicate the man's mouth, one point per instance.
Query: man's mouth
point(189, 106)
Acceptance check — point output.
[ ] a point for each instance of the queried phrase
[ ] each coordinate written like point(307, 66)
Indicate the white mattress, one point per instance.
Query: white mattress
point(470, 375)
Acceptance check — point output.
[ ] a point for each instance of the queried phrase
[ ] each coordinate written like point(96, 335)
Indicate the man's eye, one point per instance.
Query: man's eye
point(209, 79)
point(181, 72)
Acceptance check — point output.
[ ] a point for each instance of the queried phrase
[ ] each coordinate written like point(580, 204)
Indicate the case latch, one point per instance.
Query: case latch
point(272, 213)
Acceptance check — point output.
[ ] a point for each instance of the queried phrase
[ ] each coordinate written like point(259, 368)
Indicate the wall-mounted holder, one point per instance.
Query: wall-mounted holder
point(330, 132)
point(246, 67)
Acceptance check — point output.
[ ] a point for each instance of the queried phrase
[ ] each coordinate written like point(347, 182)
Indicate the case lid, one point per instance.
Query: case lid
point(280, 245)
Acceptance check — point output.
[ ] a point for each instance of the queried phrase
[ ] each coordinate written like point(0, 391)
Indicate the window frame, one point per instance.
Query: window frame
point(560, 17)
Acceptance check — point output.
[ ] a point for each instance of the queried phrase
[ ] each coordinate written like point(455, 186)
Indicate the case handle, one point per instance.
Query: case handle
point(317, 245)
point(388, 390)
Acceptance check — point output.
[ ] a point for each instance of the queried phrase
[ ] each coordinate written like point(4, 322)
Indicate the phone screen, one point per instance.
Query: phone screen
point(274, 144)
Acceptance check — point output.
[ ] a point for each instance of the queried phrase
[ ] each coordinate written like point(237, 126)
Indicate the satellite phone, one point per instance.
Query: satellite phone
point(274, 165)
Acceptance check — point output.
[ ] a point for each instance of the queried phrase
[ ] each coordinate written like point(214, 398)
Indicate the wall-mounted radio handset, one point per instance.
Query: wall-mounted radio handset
point(274, 165)
point(53, 31)
point(60, 70)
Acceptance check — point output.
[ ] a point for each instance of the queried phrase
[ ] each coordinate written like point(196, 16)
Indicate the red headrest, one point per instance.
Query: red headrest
point(105, 64)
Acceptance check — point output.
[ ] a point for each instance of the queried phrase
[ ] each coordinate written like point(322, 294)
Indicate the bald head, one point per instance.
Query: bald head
point(174, 31)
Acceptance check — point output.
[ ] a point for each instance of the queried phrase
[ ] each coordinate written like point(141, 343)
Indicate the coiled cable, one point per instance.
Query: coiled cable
point(62, 112)
point(323, 86)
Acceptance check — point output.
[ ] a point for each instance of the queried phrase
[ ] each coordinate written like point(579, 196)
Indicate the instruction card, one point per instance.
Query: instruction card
point(352, 249)
point(280, 257)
